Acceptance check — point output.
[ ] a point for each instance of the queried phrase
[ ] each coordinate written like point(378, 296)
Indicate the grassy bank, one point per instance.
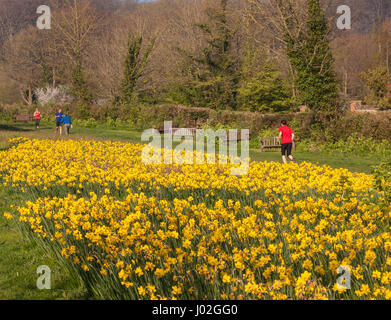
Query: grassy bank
point(20, 258)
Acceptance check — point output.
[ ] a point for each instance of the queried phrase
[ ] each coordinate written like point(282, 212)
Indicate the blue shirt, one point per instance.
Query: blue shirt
point(59, 117)
point(66, 120)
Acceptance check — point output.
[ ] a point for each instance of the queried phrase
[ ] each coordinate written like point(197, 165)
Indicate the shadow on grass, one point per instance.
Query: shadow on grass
point(9, 127)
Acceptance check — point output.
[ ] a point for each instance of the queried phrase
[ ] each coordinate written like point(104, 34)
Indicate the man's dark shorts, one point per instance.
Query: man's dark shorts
point(286, 148)
point(58, 124)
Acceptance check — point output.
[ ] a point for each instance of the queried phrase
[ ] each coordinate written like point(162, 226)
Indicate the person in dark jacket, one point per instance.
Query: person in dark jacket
point(67, 123)
point(59, 116)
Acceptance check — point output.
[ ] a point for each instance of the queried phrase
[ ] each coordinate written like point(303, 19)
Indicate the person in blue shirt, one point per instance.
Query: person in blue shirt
point(59, 116)
point(67, 122)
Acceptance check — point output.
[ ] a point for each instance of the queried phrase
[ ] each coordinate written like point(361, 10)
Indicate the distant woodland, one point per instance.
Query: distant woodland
point(251, 55)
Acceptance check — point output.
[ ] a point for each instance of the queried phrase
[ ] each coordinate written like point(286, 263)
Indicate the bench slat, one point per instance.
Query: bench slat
point(270, 142)
point(273, 142)
point(23, 118)
point(191, 132)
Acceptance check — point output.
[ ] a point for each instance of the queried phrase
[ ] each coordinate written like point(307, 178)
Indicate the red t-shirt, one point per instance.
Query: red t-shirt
point(37, 115)
point(286, 134)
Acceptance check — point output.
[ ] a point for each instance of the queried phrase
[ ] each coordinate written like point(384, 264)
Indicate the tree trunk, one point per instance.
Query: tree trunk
point(346, 83)
point(293, 85)
point(29, 98)
point(54, 78)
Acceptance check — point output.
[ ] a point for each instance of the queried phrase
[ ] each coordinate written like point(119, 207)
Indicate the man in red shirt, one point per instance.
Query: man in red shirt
point(286, 136)
point(37, 117)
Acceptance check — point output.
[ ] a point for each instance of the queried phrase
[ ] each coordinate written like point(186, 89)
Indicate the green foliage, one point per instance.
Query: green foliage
point(377, 80)
point(88, 123)
point(91, 123)
point(213, 77)
point(265, 92)
point(187, 94)
point(312, 59)
point(47, 76)
point(47, 118)
point(268, 132)
point(354, 144)
point(382, 183)
point(134, 67)
point(110, 122)
point(79, 86)
point(81, 91)
point(83, 111)
point(217, 126)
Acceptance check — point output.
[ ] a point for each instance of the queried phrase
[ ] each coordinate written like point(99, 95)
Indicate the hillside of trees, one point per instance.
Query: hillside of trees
point(250, 55)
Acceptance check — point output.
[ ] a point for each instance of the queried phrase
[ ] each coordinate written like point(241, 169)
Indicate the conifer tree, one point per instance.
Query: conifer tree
point(214, 74)
point(134, 67)
point(81, 90)
point(311, 56)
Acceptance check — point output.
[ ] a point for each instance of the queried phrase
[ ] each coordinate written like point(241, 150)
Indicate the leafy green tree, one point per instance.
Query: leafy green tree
point(377, 81)
point(81, 91)
point(311, 56)
point(213, 77)
point(185, 89)
point(134, 67)
point(264, 92)
point(262, 88)
point(47, 75)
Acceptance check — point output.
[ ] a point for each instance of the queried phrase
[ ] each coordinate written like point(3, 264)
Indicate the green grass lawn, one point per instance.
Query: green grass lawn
point(353, 162)
point(20, 257)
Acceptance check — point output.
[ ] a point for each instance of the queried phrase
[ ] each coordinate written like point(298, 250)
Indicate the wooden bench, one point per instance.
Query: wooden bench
point(183, 132)
point(191, 132)
point(23, 118)
point(273, 142)
point(238, 137)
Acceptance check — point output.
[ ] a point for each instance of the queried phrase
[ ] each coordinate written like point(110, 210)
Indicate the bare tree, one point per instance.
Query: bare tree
point(22, 56)
point(75, 23)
